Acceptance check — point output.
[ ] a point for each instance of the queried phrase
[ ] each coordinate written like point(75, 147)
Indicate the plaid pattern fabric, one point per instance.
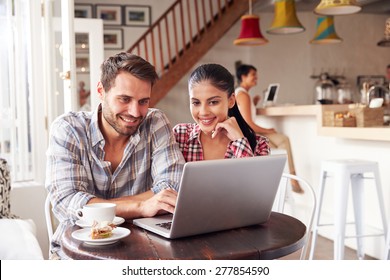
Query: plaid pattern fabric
point(187, 135)
point(77, 172)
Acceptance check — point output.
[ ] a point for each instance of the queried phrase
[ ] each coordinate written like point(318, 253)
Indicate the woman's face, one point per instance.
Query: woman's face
point(250, 79)
point(209, 105)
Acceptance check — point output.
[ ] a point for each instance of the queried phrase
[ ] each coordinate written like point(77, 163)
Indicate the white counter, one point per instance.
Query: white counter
point(312, 143)
point(363, 133)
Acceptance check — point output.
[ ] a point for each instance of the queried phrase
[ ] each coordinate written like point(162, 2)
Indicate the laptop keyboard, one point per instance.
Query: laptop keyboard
point(166, 225)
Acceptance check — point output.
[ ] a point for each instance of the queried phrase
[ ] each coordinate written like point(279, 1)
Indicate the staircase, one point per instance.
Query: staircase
point(182, 35)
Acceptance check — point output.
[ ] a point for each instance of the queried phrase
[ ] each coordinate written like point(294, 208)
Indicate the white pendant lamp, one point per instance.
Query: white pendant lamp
point(337, 7)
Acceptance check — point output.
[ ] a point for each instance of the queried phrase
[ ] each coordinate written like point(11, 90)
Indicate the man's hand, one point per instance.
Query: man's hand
point(162, 202)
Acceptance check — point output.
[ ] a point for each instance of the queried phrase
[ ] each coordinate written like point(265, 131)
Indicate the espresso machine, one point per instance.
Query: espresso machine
point(331, 89)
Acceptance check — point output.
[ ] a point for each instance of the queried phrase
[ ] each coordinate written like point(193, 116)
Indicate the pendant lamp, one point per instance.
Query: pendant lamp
point(285, 18)
point(337, 7)
point(250, 34)
point(385, 42)
point(326, 33)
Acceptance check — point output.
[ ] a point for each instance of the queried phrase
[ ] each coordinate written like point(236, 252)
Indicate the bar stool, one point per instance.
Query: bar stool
point(346, 172)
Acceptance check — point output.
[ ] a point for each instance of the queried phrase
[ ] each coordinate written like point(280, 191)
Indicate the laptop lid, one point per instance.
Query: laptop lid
point(222, 194)
point(271, 95)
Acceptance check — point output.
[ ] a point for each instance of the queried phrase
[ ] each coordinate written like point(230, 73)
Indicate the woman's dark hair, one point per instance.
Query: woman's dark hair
point(243, 70)
point(129, 63)
point(220, 77)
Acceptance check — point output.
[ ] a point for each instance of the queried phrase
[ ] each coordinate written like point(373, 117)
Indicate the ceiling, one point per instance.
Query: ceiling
point(368, 6)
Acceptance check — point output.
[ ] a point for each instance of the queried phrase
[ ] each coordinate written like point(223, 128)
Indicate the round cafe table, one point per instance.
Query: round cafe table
point(280, 236)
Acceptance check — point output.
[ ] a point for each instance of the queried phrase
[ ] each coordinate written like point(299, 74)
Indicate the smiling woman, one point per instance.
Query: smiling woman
point(219, 130)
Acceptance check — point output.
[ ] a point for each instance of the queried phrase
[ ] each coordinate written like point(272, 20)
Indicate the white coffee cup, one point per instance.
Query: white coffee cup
point(97, 212)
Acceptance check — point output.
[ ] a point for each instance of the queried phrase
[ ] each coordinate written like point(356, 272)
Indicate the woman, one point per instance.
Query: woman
point(219, 130)
point(247, 78)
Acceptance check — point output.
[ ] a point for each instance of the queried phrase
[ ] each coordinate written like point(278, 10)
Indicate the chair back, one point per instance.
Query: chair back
point(299, 205)
point(50, 219)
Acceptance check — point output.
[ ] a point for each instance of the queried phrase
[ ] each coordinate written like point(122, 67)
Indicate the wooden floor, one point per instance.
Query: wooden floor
point(324, 251)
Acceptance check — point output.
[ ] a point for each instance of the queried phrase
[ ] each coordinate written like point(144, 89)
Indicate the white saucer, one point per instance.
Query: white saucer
point(84, 224)
point(84, 235)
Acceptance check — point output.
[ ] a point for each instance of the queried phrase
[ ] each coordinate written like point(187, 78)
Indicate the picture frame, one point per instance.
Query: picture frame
point(83, 11)
point(82, 41)
point(82, 62)
point(113, 38)
point(110, 14)
point(136, 15)
point(371, 79)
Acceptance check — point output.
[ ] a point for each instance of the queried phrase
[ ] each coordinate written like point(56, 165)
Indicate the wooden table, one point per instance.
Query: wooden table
point(280, 236)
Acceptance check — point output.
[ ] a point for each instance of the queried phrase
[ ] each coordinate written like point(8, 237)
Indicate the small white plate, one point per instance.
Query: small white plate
point(84, 224)
point(85, 235)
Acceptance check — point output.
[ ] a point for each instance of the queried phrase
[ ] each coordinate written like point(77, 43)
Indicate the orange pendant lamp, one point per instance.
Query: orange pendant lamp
point(337, 7)
point(326, 33)
point(285, 18)
point(385, 42)
point(250, 34)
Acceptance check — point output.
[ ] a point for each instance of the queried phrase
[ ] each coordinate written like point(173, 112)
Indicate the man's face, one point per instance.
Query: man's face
point(125, 105)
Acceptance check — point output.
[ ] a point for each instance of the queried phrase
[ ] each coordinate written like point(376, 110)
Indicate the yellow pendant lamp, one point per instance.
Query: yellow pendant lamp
point(326, 33)
point(285, 18)
point(337, 7)
point(250, 34)
point(385, 42)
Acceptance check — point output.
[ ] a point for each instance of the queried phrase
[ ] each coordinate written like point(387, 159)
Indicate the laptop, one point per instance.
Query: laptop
point(271, 95)
point(217, 195)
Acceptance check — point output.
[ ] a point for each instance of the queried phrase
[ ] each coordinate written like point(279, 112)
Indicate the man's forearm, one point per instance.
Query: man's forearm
point(127, 207)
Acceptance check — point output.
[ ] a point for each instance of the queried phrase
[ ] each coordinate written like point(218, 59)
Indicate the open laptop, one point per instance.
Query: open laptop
point(271, 95)
point(221, 194)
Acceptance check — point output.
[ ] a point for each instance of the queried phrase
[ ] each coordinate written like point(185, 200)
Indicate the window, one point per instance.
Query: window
point(19, 120)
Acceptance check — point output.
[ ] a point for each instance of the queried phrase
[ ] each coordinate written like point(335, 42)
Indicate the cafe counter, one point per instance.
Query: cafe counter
point(379, 133)
point(312, 143)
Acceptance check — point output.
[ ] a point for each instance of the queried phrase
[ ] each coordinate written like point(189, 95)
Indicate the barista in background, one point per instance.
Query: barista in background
point(247, 78)
point(388, 75)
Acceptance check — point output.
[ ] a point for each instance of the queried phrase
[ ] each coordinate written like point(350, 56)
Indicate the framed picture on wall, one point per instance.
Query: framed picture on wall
point(371, 80)
point(137, 16)
point(83, 11)
point(82, 62)
point(82, 41)
point(110, 14)
point(113, 39)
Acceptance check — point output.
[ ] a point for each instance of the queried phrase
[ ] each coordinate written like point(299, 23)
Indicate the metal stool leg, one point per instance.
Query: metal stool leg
point(358, 207)
point(380, 199)
point(317, 215)
point(341, 198)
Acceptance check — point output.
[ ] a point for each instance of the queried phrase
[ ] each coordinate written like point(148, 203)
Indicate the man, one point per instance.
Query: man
point(123, 152)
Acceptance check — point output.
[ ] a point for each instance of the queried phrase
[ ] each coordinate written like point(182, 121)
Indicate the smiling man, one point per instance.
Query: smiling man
point(124, 152)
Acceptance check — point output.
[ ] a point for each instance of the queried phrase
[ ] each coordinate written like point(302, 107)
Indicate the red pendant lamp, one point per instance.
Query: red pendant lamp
point(250, 34)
